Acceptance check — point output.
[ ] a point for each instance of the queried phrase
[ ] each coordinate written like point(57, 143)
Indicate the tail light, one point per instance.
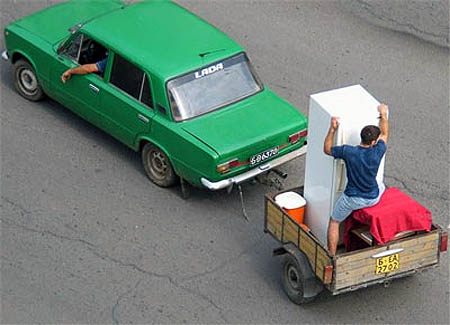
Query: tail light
point(327, 274)
point(225, 168)
point(294, 138)
point(444, 242)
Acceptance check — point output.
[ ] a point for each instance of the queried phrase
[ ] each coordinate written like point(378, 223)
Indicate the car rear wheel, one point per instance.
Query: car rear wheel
point(26, 81)
point(157, 166)
point(293, 280)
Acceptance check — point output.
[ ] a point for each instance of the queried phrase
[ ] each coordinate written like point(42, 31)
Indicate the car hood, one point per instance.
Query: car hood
point(247, 127)
point(52, 24)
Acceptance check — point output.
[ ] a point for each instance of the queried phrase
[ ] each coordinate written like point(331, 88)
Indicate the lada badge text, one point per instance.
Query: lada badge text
point(209, 70)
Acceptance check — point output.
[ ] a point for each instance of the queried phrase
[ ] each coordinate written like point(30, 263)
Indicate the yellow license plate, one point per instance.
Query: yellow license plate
point(387, 264)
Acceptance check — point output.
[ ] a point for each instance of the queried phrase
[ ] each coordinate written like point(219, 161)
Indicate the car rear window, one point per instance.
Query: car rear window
point(212, 87)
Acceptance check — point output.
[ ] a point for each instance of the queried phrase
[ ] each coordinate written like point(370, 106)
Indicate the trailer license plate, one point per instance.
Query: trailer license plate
point(387, 264)
point(263, 156)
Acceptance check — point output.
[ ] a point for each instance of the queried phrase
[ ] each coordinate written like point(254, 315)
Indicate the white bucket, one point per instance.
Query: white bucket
point(293, 203)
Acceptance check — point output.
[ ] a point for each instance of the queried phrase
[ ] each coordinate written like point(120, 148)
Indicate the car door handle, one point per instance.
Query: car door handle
point(143, 118)
point(94, 88)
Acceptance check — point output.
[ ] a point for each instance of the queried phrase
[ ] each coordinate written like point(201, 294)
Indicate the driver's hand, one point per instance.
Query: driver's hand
point(65, 76)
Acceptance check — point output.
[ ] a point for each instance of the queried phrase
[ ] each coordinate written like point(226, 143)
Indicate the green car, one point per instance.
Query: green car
point(174, 88)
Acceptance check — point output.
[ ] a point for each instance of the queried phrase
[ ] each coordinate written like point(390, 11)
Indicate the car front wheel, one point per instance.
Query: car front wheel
point(157, 166)
point(26, 81)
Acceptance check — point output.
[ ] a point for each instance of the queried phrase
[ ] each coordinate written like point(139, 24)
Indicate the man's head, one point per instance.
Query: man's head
point(369, 135)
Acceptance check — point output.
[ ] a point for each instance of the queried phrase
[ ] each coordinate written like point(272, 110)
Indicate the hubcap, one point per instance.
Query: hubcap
point(292, 276)
point(28, 82)
point(158, 164)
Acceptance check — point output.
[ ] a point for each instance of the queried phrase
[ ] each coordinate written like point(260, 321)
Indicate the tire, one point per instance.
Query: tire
point(157, 166)
point(293, 280)
point(27, 82)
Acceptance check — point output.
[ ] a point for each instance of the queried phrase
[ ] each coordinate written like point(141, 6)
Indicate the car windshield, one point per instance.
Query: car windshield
point(212, 87)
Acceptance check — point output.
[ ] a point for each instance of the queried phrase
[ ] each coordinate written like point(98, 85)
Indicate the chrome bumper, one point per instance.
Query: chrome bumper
point(253, 172)
point(5, 55)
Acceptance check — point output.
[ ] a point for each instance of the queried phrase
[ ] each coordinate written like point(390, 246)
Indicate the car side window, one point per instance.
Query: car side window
point(85, 50)
point(131, 79)
point(91, 51)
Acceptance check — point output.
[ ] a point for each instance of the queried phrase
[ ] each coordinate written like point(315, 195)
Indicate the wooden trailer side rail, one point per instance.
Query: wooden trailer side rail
point(285, 230)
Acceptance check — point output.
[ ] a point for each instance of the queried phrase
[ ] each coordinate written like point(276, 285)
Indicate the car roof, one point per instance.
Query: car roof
point(161, 37)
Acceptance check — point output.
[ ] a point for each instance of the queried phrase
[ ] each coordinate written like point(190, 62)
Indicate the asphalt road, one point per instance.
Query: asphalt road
point(86, 238)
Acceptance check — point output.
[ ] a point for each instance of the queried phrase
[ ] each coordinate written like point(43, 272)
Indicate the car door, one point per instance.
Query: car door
point(126, 101)
point(80, 92)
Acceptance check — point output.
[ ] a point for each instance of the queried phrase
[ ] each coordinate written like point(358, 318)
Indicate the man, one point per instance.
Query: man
point(362, 163)
point(85, 69)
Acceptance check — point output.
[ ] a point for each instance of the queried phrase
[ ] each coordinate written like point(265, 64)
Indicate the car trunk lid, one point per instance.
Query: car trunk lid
point(247, 127)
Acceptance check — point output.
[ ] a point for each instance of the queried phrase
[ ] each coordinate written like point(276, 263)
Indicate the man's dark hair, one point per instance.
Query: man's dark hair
point(370, 133)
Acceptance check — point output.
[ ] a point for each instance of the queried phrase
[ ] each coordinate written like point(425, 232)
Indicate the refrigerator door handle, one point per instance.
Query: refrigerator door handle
point(341, 175)
point(340, 164)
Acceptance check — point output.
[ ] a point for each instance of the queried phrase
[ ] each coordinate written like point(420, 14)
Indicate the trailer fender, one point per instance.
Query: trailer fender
point(312, 285)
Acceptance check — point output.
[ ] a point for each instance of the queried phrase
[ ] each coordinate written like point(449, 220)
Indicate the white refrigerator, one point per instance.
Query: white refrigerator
point(325, 177)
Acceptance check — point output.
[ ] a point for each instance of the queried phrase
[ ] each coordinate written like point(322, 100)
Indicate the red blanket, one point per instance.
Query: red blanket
point(396, 212)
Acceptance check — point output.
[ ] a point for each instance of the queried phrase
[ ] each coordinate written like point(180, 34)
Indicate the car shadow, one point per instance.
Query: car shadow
point(101, 138)
point(72, 121)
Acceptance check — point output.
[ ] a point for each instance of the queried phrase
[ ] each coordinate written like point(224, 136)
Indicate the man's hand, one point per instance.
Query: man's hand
point(66, 76)
point(383, 109)
point(334, 123)
point(384, 123)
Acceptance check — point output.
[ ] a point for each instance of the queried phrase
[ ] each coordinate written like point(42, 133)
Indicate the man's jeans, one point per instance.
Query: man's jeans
point(345, 205)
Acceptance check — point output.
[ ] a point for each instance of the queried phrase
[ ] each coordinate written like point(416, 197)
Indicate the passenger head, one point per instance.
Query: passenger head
point(369, 134)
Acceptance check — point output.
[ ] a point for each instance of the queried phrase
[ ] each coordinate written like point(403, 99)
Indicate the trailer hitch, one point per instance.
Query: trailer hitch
point(262, 179)
point(244, 212)
point(265, 179)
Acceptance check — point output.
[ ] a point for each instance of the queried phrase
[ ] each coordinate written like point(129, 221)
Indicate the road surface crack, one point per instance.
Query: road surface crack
point(405, 26)
point(444, 196)
point(105, 257)
point(220, 266)
point(116, 305)
point(172, 281)
point(46, 232)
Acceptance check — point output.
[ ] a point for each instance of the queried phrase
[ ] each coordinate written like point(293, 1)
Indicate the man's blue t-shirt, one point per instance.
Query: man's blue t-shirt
point(101, 65)
point(362, 167)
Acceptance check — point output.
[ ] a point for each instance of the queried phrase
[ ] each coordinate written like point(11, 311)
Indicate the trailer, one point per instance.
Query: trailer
point(308, 267)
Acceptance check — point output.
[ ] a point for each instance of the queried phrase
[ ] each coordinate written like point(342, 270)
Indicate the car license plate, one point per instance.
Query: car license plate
point(387, 264)
point(263, 156)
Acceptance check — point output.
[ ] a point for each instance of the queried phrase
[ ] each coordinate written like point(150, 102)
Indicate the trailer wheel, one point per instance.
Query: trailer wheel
point(293, 280)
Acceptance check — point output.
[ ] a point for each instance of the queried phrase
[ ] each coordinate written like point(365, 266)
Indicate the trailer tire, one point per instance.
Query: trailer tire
point(293, 279)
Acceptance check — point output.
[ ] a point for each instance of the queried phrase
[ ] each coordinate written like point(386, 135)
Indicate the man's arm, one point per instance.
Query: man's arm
point(328, 143)
point(82, 69)
point(384, 123)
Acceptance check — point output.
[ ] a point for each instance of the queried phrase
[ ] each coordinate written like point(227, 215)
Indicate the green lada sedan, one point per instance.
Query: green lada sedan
point(174, 88)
